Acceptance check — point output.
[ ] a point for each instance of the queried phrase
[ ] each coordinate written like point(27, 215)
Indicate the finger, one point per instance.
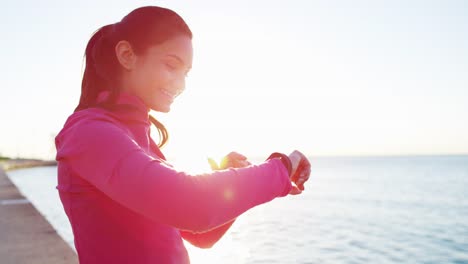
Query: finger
point(304, 176)
point(225, 163)
point(241, 164)
point(307, 173)
point(298, 173)
point(301, 183)
point(235, 164)
point(213, 164)
point(295, 159)
point(295, 177)
point(307, 165)
point(229, 161)
point(302, 179)
point(301, 186)
point(236, 156)
point(305, 168)
point(295, 191)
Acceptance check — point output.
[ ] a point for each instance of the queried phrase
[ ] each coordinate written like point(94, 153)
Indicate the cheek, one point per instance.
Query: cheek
point(158, 77)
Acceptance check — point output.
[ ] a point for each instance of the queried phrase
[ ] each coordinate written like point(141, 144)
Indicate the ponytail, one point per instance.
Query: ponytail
point(100, 60)
point(162, 131)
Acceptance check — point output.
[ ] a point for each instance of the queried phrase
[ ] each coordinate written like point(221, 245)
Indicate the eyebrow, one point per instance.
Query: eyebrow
point(180, 60)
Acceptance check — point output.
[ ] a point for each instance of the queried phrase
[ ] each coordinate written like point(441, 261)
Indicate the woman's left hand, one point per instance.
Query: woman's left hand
point(231, 160)
point(300, 170)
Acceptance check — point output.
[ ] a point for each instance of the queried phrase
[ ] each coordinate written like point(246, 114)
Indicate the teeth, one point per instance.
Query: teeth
point(166, 92)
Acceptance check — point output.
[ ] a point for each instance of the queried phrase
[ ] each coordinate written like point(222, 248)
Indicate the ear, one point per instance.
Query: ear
point(125, 55)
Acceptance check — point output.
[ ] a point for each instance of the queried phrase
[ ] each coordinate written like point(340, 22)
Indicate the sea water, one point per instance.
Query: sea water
point(354, 210)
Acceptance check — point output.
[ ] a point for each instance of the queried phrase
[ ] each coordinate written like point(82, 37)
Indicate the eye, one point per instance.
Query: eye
point(171, 66)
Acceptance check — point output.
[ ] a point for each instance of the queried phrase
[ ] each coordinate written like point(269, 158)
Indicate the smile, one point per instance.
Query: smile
point(169, 94)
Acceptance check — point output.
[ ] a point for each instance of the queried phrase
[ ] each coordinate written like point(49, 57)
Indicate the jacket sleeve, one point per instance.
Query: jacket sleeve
point(103, 154)
point(207, 239)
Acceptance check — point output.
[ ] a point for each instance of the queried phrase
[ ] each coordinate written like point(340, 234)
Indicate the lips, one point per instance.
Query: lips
point(169, 94)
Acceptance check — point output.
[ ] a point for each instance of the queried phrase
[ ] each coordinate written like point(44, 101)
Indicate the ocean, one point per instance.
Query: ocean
point(402, 209)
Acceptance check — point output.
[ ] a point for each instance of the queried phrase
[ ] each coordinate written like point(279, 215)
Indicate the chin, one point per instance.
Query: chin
point(161, 108)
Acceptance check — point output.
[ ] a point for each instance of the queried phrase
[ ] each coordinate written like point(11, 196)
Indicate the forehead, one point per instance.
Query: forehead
point(180, 46)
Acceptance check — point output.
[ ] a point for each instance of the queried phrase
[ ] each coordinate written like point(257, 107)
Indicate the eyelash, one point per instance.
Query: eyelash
point(173, 68)
point(170, 66)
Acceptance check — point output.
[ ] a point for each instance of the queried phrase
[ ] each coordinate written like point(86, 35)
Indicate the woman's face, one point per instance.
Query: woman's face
point(158, 75)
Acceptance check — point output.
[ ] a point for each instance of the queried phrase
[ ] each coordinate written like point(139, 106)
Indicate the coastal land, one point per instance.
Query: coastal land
point(11, 164)
point(25, 235)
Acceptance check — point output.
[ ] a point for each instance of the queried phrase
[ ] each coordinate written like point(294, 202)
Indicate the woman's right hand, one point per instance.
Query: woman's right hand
point(300, 171)
point(231, 160)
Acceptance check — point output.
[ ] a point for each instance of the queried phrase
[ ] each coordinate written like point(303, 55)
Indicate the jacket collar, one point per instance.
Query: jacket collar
point(127, 106)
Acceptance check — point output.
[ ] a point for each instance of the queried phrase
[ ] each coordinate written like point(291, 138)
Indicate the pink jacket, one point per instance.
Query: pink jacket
point(127, 204)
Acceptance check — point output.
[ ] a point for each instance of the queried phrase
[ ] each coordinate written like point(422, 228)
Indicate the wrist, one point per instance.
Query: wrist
point(284, 159)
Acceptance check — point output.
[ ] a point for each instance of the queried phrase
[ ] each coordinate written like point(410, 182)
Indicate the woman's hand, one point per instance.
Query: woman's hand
point(231, 160)
point(300, 171)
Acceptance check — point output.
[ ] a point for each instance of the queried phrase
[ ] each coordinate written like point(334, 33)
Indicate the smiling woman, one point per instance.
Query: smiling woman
point(126, 203)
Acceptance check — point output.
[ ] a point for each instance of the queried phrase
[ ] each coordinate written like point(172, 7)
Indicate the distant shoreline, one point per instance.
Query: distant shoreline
point(12, 164)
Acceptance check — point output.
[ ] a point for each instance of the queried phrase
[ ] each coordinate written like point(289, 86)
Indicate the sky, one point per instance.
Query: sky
point(324, 77)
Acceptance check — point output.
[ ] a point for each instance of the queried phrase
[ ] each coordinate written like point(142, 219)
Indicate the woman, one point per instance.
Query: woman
point(125, 202)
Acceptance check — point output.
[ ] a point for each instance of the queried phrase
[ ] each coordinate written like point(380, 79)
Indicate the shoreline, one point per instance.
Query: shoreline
point(14, 164)
point(26, 236)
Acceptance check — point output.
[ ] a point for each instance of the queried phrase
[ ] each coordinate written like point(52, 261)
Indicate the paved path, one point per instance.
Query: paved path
point(25, 236)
